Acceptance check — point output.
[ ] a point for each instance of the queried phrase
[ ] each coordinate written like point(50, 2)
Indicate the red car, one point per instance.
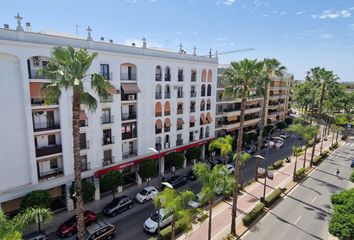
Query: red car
point(69, 228)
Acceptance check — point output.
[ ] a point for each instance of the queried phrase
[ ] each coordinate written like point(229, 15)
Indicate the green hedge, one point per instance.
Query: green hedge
point(325, 153)
point(165, 234)
point(335, 145)
point(352, 177)
point(271, 198)
point(317, 160)
point(278, 164)
point(251, 216)
point(300, 173)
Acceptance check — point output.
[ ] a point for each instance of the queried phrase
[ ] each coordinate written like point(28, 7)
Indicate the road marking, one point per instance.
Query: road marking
point(297, 220)
point(313, 199)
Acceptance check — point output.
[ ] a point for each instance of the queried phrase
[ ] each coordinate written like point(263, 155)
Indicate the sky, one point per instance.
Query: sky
point(301, 34)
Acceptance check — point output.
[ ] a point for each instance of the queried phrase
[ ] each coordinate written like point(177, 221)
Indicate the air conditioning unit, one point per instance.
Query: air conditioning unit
point(131, 97)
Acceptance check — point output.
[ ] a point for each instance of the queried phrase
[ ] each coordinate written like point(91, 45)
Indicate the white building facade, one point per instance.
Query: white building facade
point(160, 99)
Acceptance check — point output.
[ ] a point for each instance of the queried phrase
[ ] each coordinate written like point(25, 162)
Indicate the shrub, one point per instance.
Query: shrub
point(251, 216)
point(203, 217)
point(193, 153)
point(352, 177)
point(165, 234)
point(111, 181)
point(271, 198)
point(37, 199)
point(335, 145)
point(324, 154)
point(281, 125)
point(300, 173)
point(288, 121)
point(176, 159)
point(317, 160)
point(278, 164)
point(88, 191)
point(147, 169)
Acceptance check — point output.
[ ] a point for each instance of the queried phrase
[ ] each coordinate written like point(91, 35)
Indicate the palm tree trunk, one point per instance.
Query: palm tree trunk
point(313, 150)
point(261, 126)
point(305, 156)
point(173, 229)
point(337, 136)
point(77, 165)
point(322, 97)
point(333, 136)
point(237, 171)
point(294, 178)
point(210, 216)
point(323, 136)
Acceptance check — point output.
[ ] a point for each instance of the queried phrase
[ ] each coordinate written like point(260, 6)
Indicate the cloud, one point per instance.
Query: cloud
point(131, 1)
point(330, 14)
point(299, 13)
point(326, 36)
point(265, 15)
point(259, 3)
point(351, 9)
point(351, 26)
point(282, 13)
point(226, 2)
point(195, 33)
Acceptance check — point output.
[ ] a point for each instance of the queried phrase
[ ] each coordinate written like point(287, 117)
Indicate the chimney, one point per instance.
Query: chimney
point(110, 41)
point(102, 38)
point(28, 27)
point(133, 44)
point(6, 26)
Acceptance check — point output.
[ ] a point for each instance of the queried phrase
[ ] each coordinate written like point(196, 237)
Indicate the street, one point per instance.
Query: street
point(305, 212)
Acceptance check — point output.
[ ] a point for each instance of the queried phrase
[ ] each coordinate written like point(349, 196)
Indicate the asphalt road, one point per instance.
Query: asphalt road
point(306, 211)
point(130, 223)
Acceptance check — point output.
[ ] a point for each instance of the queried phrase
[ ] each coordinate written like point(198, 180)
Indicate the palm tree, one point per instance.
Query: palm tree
point(298, 129)
point(328, 78)
point(271, 68)
point(212, 180)
point(308, 133)
point(314, 130)
point(313, 78)
point(240, 81)
point(176, 204)
point(244, 158)
point(67, 70)
point(224, 144)
point(11, 229)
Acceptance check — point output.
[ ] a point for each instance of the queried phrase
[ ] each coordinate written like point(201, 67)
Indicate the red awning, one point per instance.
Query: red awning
point(35, 90)
point(130, 88)
point(112, 90)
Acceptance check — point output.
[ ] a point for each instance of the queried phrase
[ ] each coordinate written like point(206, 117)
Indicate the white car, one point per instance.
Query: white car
point(197, 202)
point(283, 136)
point(151, 224)
point(279, 144)
point(230, 168)
point(146, 194)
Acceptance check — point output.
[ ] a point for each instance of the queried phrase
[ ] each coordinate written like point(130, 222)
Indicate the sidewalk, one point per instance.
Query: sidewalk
point(248, 198)
point(97, 206)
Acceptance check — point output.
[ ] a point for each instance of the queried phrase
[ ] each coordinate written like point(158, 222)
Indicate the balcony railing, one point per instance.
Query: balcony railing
point(128, 97)
point(40, 102)
point(158, 95)
point(180, 111)
point(158, 77)
point(85, 166)
point(107, 75)
point(128, 116)
point(167, 95)
point(179, 142)
point(208, 107)
point(54, 173)
point(192, 109)
point(167, 77)
point(158, 130)
point(107, 119)
point(167, 129)
point(43, 126)
point(108, 140)
point(36, 75)
point(44, 151)
point(129, 135)
point(83, 123)
point(130, 154)
point(85, 145)
point(179, 127)
point(109, 98)
point(128, 77)
point(108, 161)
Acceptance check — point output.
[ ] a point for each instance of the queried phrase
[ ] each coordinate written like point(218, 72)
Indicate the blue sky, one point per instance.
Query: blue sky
point(300, 33)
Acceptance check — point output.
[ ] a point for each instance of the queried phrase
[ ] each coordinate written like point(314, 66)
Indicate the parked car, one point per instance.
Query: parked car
point(230, 168)
point(190, 176)
point(150, 225)
point(251, 149)
point(197, 202)
point(283, 136)
point(39, 235)
point(69, 227)
point(261, 173)
point(352, 164)
point(99, 230)
point(118, 205)
point(146, 194)
point(279, 144)
point(177, 181)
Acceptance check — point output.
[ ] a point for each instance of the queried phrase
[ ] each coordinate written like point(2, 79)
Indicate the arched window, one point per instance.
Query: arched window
point(158, 126)
point(158, 92)
point(207, 131)
point(167, 141)
point(180, 92)
point(202, 119)
point(193, 76)
point(204, 75)
point(203, 90)
point(202, 105)
point(209, 118)
point(128, 72)
point(209, 90)
point(167, 125)
point(192, 106)
point(167, 108)
point(167, 74)
point(201, 133)
point(34, 63)
point(210, 75)
point(158, 74)
point(167, 92)
point(180, 108)
point(158, 109)
point(158, 143)
point(208, 105)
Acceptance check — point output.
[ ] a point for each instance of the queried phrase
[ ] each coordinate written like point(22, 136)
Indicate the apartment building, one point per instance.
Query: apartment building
point(228, 108)
point(161, 99)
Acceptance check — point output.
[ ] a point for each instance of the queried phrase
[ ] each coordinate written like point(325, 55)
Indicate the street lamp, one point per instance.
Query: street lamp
point(167, 184)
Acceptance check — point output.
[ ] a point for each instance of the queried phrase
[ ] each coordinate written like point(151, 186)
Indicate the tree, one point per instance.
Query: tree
point(111, 181)
point(327, 79)
point(314, 131)
point(288, 121)
point(147, 169)
point(67, 70)
point(193, 153)
point(176, 204)
point(11, 229)
point(244, 158)
point(176, 159)
point(37, 199)
point(298, 130)
point(240, 80)
point(212, 180)
point(87, 189)
point(341, 224)
point(267, 129)
point(224, 144)
point(271, 68)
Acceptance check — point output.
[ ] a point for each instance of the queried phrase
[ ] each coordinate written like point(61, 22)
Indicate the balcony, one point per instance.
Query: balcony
point(83, 123)
point(45, 126)
point(85, 166)
point(193, 94)
point(44, 151)
point(41, 102)
point(130, 154)
point(125, 76)
point(36, 75)
point(167, 129)
point(128, 97)
point(252, 121)
point(158, 95)
point(158, 77)
point(107, 119)
point(108, 161)
point(167, 95)
point(129, 135)
point(179, 142)
point(192, 109)
point(128, 116)
point(180, 111)
point(168, 77)
point(54, 173)
point(158, 130)
point(107, 75)
point(107, 141)
point(108, 99)
point(253, 110)
point(84, 145)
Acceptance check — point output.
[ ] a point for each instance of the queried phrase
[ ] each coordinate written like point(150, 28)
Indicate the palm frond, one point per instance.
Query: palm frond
point(88, 100)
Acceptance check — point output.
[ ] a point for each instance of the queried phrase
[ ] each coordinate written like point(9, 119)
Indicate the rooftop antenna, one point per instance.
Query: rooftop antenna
point(89, 30)
point(210, 54)
point(181, 48)
point(195, 51)
point(144, 42)
point(19, 19)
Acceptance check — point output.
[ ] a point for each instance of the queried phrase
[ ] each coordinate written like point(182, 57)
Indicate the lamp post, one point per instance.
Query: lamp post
point(159, 208)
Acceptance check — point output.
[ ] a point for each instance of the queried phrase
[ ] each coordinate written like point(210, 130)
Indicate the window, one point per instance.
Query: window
point(180, 108)
point(193, 76)
point(158, 92)
point(158, 74)
point(193, 91)
point(51, 140)
point(192, 106)
point(180, 92)
point(203, 90)
point(209, 90)
point(167, 74)
point(203, 75)
point(180, 75)
point(107, 137)
point(210, 75)
point(208, 106)
point(53, 163)
point(202, 105)
point(105, 71)
point(167, 92)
